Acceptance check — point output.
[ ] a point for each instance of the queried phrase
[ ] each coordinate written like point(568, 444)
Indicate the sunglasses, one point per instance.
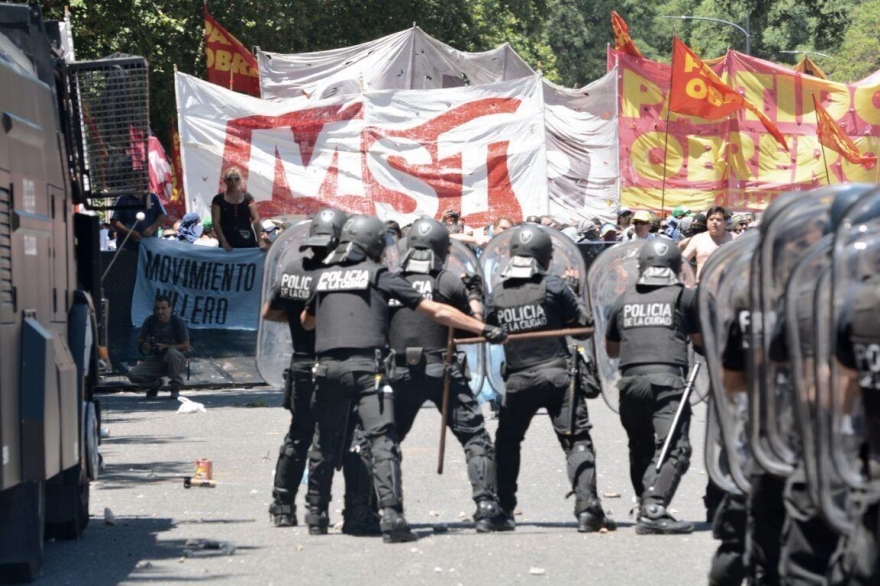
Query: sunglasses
point(640, 223)
point(233, 178)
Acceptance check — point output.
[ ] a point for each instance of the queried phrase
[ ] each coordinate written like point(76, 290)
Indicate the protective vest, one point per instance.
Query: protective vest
point(296, 286)
point(412, 329)
point(351, 312)
point(653, 328)
point(865, 339)
point(521, 306)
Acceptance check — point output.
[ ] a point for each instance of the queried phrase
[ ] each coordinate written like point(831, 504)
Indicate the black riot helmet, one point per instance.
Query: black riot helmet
point(361, 237)
point(531, 249)
point(659, 263)
point(325, 229)
point(427, 246)
point(843, 200)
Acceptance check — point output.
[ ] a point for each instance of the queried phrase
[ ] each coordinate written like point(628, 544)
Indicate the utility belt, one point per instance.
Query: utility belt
point(419, 358)
point(559, 362)
point(378, 361)
point(641, 369)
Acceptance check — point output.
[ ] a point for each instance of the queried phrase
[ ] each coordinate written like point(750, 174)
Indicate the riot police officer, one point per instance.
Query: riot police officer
point(858, 360)
point(420, 347)
point(648, 328)
point(293, 289)
point(350, 311)
point(536, 374)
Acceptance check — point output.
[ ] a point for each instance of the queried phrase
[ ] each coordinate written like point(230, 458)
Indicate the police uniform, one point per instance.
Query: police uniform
point(419, 344)
point(858, 349)
point(652, 322)
point(537, 375)
point(290, 295)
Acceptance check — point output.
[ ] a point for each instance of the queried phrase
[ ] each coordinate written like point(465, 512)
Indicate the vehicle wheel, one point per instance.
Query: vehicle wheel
point(22, 518)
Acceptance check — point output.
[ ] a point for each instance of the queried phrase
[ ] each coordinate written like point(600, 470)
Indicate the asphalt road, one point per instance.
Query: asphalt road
point(165, 534)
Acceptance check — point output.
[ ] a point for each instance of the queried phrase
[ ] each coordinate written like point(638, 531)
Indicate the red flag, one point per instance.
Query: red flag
point(230, 64)
point(696, 90)
point(161, 181)
point(832, 136)
point(622, 41)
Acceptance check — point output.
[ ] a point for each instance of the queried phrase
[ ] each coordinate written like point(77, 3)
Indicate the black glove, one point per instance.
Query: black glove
point(494, 334)
point(474, 285)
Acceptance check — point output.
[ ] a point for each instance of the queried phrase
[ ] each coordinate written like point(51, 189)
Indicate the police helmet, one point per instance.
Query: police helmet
point(659, 263)
point(427, 246)
point(361, 237)
point(843, 200)
point(531, 249)
point(325, 229)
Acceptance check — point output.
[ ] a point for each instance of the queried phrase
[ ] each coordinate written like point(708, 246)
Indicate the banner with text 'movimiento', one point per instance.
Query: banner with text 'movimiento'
point(735, 162)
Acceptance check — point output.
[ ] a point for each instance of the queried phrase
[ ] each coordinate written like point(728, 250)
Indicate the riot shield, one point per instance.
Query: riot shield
point(784, 239)
point(460, 261)
point(723, 302)
point(567, 259)
point(610, 275)
point(274, 345)
point(717, 464)
point(800, 328)
point(854, 283)
point(830, 488)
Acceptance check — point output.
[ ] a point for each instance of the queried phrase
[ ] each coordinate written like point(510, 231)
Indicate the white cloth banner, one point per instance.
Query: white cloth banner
point(410, 59)
point(397, 154)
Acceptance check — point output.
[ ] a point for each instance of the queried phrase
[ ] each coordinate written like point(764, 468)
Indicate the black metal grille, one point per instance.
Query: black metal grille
point(6, 290)
point(110, 99)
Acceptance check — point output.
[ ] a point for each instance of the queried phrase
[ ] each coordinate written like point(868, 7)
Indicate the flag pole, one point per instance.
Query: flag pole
point(666, 137)
point(824, 159)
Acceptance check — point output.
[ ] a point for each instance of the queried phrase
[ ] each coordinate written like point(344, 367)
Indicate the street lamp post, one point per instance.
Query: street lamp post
point(744, 31)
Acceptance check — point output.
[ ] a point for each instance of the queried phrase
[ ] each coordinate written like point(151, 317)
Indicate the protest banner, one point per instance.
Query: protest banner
point(208, 287)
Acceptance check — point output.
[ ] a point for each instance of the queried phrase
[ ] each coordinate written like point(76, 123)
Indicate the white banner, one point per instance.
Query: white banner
point(397, 154)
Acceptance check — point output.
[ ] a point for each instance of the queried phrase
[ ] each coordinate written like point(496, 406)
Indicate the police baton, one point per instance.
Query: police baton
point(532, 335)
point(444, 409)
point(685, 402)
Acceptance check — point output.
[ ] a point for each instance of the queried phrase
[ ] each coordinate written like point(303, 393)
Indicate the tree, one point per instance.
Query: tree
point(859, 53)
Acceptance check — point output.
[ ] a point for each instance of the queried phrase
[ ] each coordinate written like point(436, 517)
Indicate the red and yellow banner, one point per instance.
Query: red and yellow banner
point(622, 40)
point(177, 194)
point(831, 135)
point(735, 161)
point(229, 64)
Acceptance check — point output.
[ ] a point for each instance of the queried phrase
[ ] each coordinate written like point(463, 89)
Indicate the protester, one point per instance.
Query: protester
point(124, 219)
point(235, 212)
point(609, 232)
point(673, 223)
point(190, 228)
point(703, 245)
point(208, 237)
point(641, 226)
point(624, 215)
point(269, 232)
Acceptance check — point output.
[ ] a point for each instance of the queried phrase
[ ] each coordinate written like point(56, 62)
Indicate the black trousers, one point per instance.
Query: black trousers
point(413, 387)
point(729, 526)
point(528, 391)
point(808, 542)
point(345, 395)
point(857, 560)
point(648, 404)
point(293, 455)
point(766, 515)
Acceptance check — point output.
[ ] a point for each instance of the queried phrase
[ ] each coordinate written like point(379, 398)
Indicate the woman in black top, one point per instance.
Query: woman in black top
point(235, 212)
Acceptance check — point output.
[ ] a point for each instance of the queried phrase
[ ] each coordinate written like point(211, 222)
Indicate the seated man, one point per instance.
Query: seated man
point(165, 338)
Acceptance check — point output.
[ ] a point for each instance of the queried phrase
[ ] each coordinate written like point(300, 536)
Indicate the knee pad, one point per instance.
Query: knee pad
point(479, 445)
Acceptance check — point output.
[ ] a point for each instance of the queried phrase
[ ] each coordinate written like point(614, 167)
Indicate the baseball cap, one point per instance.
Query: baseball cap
point(642, 216)
point(680, 211)
point(623, 212)
point(268, 226)
point(606, 228)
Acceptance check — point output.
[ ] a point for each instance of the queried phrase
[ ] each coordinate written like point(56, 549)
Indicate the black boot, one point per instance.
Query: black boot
point(317, 520)
point(282, 515)
point(360, 520)
point(490, 517)
point(592, 521)
point(395, 529)
point(654, 520)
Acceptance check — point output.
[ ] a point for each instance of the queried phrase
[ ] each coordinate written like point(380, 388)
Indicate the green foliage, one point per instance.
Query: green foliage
point(566, 39)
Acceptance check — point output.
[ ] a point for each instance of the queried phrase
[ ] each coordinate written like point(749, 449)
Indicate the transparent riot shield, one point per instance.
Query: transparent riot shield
point(830, 488)
point(800, 328)
point(610, 275)
point(717, 464)
point(274, 345)
point(723, 301)
point(567, 260)
point(461, 261)
point(785, 238)
point(853, 390)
